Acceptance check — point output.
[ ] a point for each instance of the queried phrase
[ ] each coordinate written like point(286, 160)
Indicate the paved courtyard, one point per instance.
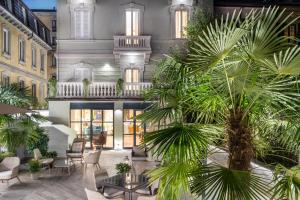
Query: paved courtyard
point(57, 187)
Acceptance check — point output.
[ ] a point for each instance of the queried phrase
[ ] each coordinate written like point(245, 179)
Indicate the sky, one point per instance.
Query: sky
point(40, 4)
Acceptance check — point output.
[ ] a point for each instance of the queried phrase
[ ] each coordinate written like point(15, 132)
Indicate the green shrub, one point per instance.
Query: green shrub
point(39, 142)
point(51, 154)
point(34, 166)
point(123, 168)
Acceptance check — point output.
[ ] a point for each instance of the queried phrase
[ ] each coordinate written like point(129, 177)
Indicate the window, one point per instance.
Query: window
point(33, 57)
point(181, 21)
point(53, 40)
point(44, 33)
point(90, 123)
point(5, 80)
point(21, 50)
point(6, 41)
point(132, 76)
point(33, 90)
point(42, 62)
point(132, 22)
point(24, 15)
point(82, 24)
point(53, 25)
point(53, 61)
point(21, 84)
point(36, 25)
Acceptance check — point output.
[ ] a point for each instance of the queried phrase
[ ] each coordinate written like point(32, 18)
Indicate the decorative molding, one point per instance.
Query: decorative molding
point(85, 69)
point(23, 28)
point(22, 72)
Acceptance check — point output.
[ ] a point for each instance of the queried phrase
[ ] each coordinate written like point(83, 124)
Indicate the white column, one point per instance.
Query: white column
point(118, 125)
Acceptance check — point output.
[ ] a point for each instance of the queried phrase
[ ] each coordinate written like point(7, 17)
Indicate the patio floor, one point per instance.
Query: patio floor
point(53, 187)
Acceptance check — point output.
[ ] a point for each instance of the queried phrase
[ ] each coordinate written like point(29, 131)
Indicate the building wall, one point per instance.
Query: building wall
point(97, 53)
point(10, 65)
point(47, 16)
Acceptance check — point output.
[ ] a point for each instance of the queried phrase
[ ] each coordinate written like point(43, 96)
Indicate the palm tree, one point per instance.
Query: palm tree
point(238, 84)
point(22, 129)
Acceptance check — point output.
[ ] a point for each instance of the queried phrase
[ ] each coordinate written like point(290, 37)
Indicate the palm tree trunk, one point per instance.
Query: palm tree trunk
point(239, 141)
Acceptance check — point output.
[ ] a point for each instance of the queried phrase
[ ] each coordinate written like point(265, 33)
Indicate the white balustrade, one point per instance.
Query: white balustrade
point(100, 90)
point(132, 43)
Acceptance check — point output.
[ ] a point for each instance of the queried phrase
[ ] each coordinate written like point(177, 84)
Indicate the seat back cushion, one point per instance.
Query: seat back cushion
point(77, 147)
point(37, 154)
point(10, 162)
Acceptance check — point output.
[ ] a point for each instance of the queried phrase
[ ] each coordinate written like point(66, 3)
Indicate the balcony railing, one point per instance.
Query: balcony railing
point(100, 90)
point(138, 43)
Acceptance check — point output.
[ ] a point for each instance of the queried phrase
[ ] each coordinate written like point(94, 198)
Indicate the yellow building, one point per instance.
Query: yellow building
point(24, 43)
point(48, 17)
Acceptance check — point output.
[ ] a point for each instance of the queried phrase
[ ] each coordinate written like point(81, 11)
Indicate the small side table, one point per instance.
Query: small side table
point(64, 164)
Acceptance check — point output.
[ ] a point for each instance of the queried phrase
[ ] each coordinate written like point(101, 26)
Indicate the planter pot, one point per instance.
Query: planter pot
point(35, 176)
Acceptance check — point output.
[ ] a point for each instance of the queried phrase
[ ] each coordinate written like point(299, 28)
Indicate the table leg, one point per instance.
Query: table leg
point(130, 195)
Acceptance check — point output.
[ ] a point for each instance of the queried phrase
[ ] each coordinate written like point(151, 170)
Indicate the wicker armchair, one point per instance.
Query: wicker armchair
point(9, 169)
point(77, 149)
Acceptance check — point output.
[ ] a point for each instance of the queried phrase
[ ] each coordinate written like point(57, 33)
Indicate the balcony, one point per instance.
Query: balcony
point(100, 90)
point(128, 45)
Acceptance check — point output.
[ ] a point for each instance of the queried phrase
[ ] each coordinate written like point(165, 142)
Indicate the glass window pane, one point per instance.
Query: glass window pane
point(109, 141)
point(178, 24)
point(108, 115)
point(86, 133)
point(184, 22)
point(109, 128)
point(135, 23)
point(128, 22)
point(128, 141)
point(97, 115)
point(128, 76)
point(128, 128)
point(97, 128)
point(135, 76)
point(86, 115)
point(128, 114)
point(76, 115)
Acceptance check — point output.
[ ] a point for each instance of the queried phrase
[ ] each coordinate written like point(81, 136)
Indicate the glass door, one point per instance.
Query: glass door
point(133, 129)
point(89, 123)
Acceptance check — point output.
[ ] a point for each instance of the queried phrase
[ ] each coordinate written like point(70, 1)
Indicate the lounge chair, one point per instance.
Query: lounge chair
point(43, 161)
point(92, 159)
point(77, 149)
point(9, 169)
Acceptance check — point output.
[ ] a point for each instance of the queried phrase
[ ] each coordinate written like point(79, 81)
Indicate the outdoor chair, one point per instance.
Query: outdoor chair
point(139, 154)
point(9, 169)
point(100, 140)
point(43, 161)
point(92, 159)
point(77, 149)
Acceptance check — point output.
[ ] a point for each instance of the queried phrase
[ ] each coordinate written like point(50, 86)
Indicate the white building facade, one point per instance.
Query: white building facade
point(105, 42)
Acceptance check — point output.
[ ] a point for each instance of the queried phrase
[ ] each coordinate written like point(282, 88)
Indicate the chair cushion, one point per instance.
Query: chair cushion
point(5, 175)
point(74, 155)
point(3, 168)
point(77, 146)
point(46, 161)
point(146, 198)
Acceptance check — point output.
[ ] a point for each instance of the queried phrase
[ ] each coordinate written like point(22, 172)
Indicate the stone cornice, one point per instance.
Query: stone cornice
point(22, 72)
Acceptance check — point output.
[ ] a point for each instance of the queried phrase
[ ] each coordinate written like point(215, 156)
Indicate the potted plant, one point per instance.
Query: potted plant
point(86, 83)
point(34, 169)
point(123, 168)
point(52, 87)
point(120, 86)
